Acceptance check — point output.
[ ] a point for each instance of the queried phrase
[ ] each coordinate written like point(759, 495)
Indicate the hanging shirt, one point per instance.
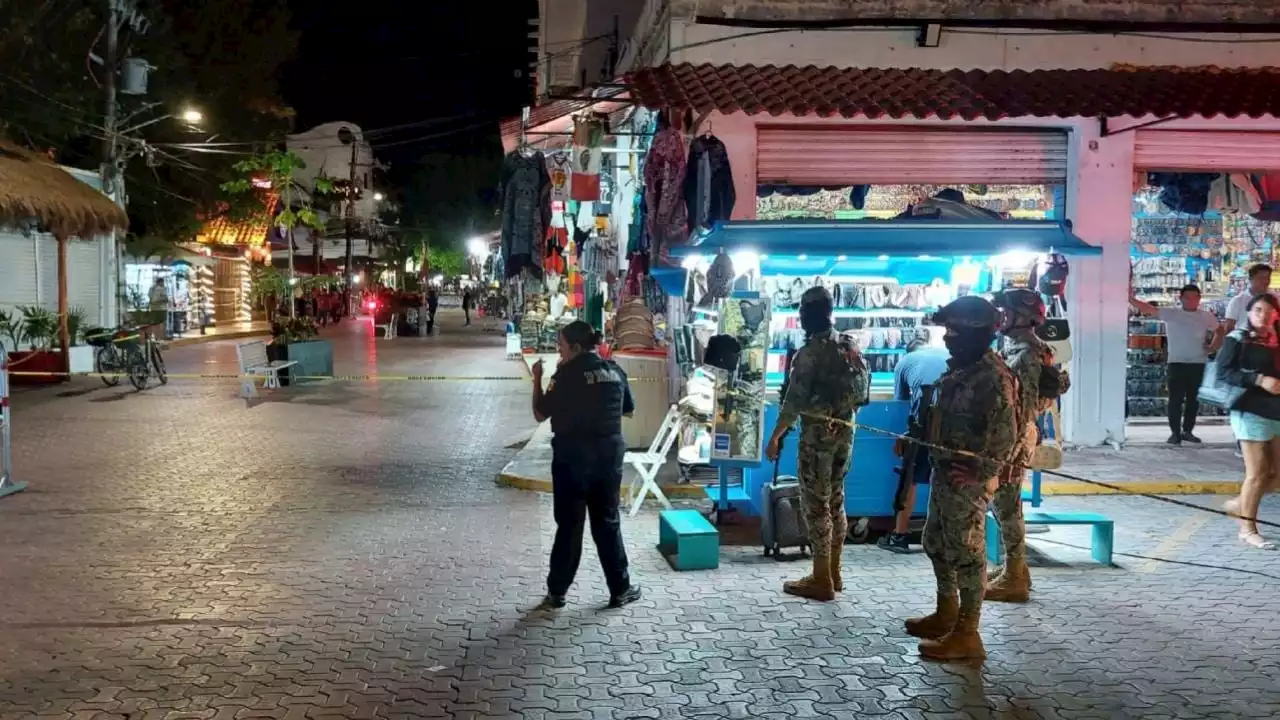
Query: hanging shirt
point(560, 170)
point(708, 184)
point(526, 209)
point(664, 174)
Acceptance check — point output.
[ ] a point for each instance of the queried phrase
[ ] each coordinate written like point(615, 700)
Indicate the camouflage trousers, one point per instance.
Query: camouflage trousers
point(955, 536)
point(823, 463)
point(1007, 507)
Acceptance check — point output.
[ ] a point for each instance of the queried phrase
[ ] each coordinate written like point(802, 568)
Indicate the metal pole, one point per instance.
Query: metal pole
point(7, 484)
point(109, 88)
point(110, 184)
point(351, 208)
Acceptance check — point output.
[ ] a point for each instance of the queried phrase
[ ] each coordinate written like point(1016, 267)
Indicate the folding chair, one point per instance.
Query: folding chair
point(648, 463)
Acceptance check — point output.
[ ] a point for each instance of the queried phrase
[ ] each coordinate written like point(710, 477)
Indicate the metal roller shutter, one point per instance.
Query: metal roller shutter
point(84, 278)
point(1205, 151)
point(18, 284)
point(891, 156)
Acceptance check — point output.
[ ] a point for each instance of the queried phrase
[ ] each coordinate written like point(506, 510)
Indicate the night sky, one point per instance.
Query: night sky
point(382, 63)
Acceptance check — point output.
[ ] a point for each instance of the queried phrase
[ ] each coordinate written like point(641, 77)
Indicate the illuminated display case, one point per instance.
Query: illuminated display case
point(887, 277)
point(738, 427)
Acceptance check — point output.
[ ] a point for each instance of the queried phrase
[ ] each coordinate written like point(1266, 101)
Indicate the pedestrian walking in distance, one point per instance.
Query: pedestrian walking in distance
point(466, 306)
point(974, 430)
point(585, 402)
point(828, 383)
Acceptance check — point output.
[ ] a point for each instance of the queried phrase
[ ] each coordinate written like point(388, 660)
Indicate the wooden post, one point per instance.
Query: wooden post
point(64, 337)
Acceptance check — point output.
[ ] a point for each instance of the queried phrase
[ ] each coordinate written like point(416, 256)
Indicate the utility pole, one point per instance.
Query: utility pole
point(110, 61)
point(109, 184)
point(350, 225)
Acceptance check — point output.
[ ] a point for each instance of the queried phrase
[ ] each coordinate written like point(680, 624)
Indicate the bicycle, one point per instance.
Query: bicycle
point(119, 352)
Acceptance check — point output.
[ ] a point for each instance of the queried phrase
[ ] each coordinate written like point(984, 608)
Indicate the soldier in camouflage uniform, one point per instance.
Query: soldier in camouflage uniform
point(974, 429)
point(1026, 355)
point(828, 383)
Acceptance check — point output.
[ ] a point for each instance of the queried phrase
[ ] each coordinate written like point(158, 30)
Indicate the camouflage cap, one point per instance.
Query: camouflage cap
point(968, 312)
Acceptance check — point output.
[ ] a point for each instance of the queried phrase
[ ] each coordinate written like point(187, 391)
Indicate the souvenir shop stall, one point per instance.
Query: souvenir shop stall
point(557, 256)
point(559, 261)
point(887, 277)
point(1205, 229)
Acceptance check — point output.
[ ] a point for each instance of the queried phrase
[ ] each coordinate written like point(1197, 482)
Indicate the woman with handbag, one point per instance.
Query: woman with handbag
point(1249, 364)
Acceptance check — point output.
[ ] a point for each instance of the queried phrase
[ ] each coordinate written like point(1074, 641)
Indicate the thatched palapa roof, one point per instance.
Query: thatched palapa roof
point(32, 187)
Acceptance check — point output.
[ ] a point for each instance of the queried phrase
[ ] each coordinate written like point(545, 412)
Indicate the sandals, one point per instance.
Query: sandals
point(1256, 541)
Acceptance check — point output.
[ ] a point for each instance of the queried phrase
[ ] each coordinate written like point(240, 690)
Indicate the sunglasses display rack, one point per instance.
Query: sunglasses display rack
point(885, 319)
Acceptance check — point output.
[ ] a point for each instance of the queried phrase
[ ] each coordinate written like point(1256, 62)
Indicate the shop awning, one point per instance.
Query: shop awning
point(898, 238)
point(920, 93)
point(911, 250)
point(550, 124)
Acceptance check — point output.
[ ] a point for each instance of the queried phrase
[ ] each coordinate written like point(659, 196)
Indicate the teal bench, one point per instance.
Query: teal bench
point(1103, 532)
point(688, 540)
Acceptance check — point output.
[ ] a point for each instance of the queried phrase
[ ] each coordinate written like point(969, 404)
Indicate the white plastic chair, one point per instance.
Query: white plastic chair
point(648, 463)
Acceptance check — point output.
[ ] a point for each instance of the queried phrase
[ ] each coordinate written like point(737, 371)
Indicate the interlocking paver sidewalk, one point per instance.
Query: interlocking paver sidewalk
point(341, 551)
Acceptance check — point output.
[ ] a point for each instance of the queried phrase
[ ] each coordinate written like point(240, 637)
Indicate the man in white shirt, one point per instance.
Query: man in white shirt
point(1238, 308)
point(1191, 335)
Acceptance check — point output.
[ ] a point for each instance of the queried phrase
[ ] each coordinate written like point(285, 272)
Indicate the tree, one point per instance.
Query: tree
point(265, 181)
point(47, 99)
point(445, 261)
point(451, 197)
point(219, 56)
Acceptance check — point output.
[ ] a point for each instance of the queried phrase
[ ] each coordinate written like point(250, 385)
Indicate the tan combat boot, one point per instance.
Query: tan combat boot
point(1013, 585)
point(962, 643)
point(816, 586)
point(939, 623)
point(837, 556)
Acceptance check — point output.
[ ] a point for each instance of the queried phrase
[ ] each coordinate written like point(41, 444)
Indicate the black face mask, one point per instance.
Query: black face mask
point(814, 321)
point(968, 346)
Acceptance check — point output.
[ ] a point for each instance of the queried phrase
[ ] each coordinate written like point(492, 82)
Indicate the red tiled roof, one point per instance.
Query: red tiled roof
point(222, 230)
point(900, 93)
point(555, 110)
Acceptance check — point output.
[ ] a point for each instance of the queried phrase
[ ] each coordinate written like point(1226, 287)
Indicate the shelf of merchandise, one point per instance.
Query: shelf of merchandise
point(880, 381)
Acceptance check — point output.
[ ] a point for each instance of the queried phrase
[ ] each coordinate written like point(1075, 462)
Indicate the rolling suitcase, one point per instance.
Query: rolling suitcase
point(782, 523)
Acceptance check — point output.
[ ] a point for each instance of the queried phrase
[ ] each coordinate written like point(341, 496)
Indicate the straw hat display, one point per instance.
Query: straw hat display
point(633, 329)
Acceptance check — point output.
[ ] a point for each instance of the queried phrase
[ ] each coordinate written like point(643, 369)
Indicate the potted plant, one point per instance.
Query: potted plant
point(297, 339)
point(81, 352)
point(29, 335)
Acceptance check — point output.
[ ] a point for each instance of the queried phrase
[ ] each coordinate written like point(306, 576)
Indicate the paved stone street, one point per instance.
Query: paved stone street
point(342, 551)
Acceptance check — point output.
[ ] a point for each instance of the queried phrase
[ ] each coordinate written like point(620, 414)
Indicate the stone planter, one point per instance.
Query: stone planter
point(313, 357)
point(35, 361)
point(82, 358)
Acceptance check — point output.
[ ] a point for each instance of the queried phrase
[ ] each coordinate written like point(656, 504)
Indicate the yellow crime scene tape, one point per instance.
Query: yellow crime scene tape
point(377, 378)
point(1009, 464)
point(343, 378)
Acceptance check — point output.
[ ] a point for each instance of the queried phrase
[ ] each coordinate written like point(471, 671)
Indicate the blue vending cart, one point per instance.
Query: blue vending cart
point(939, 259)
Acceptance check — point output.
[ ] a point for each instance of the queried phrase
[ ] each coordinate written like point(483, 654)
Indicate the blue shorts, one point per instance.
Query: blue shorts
point(1253, 428)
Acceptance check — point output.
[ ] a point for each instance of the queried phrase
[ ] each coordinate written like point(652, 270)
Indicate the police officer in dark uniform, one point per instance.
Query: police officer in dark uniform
point(585, 402)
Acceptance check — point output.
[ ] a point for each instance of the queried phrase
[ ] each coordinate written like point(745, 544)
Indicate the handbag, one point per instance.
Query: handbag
point(1048, 454)
point(1215, 390)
